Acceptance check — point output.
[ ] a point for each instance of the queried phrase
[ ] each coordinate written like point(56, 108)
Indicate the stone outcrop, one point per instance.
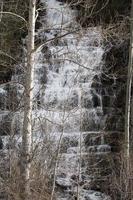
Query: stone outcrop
point(82, 94)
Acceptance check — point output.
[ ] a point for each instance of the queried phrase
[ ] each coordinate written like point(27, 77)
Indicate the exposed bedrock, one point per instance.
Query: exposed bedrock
point(88, 100)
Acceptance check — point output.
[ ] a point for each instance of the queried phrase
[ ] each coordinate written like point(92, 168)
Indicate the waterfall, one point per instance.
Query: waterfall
point(68, 107)
point(65, 72)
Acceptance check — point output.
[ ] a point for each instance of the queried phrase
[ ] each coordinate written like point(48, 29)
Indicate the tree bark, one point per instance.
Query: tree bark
point(129, 88)
point(27, 123)
point(128, 135)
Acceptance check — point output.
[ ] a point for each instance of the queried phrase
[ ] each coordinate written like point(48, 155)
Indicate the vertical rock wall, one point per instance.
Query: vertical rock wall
point(79, 86)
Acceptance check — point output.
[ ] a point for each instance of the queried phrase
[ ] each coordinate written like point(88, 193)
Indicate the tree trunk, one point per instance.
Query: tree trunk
point(129, 89)
point(27, 123)
point(128, 135)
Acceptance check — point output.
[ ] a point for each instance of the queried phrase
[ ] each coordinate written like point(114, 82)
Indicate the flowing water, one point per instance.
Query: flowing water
point(66, 98)
point(66, 103)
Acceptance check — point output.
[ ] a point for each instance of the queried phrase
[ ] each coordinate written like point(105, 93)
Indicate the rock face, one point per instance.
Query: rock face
point(78, 98)
point(102, 13)
point(82, 87)
point(4, 173)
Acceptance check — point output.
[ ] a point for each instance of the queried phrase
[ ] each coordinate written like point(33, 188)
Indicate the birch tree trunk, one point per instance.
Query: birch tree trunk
point(129, 90)
point(27, 123)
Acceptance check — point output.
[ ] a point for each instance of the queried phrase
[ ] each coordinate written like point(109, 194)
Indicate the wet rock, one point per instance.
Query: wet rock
point(96, 82)
point(5, 123)
point(68, 142)
point(64, 183)
point(73, 150)
point(103, 148)
point(92, 139)
point(93, 195)
point(92, 149)
point(1, 143)
point(86, 102)
point(98, 149)
point(96, 101)
point(5, 75)
point(3, 98)
point(106, 101)
point(93, 120)
point(115, 122)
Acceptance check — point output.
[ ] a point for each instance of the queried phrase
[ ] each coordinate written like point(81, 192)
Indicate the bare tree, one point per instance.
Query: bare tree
point(129, 88)
point(27, 124)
